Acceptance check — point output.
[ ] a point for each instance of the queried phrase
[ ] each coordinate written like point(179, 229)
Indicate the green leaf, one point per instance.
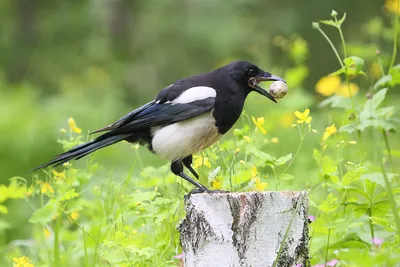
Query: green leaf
point(383, 82)
point(353, 175)
point(3, 209)
point(328, 165)
point(377, 177)
point(382, 222)
point(45, 214)
point(70, 194)
point(354, 65)
point(336, 102)
point(342, 19)
point(262, 155)
point(287, 177)
point(317, 155)
point(328, 22)
point(282, 160)
point(377, 99)
point(351, 241)
point(329, 204)
point(213, 174)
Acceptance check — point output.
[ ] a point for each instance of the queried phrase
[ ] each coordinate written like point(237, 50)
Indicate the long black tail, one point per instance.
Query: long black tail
point(84, 149)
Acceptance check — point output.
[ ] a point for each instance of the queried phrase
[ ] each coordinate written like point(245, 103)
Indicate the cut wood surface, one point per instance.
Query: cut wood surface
point(245, 229)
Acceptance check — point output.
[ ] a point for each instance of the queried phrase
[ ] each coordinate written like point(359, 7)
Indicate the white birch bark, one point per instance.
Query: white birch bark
point(245, 229)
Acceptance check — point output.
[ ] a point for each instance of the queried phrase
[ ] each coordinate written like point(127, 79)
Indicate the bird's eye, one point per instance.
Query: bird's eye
point(251, 72)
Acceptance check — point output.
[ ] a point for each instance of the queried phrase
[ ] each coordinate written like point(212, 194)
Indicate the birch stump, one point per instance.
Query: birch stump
point(245, 229)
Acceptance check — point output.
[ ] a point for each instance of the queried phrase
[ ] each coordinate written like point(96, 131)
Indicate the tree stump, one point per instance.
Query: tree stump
point(245, 229)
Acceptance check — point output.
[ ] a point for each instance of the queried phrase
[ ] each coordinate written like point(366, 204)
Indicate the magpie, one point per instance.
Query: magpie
point(185, 118)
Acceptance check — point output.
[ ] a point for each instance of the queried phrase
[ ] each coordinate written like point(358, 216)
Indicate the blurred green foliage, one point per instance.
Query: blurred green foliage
point(97, 60)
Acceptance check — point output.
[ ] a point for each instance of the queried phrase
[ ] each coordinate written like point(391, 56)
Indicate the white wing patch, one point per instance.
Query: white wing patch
point(195, 93)
point(181, 139)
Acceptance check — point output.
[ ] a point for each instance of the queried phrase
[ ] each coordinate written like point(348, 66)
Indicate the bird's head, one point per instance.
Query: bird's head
point(249, 75)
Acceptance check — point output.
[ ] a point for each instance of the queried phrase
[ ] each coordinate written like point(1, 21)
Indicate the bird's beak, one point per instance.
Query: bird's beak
point(253, 82)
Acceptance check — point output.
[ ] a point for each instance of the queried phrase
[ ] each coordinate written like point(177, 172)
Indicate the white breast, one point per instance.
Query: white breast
point(178, 140)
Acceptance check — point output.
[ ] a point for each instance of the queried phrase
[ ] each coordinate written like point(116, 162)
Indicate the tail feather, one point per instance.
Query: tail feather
point(84, 149)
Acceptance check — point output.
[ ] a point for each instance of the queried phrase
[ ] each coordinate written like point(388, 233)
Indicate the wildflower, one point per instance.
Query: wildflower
point(22, 262)
point(391, 6)
point(311, 218)
point(46, 187)
point(66, 165)
point(201, 161)
point(259, 122)
point(330, 85)
point(274, 140)
point(241, 161)
point(260, 185)
point(74, 215)
point(237, 151)
point(180, 258)
point(343, 89)
point(58, 175)
point(47, 232)
point(254, 171)
point(303, 116)
point(377, 241)
point(216, 185)
point(327, 85)
point(286, 120)
point(248, 139)
point(332, 262)
point(329, 131)
point(352, 142)
point(72, 126)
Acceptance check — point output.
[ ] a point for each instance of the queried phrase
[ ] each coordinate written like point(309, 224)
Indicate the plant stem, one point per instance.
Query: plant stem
point(388, 149)
point(343, 42)
point(57, 257)
point(327, 246)
point(391, 197)
point(332, 46)
point(396, 23)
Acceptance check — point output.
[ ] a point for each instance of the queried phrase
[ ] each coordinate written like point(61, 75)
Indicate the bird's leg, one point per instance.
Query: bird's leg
point(188, 164)
point(177, 169)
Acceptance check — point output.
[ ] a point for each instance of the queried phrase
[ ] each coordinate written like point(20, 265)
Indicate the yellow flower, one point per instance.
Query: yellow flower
point(74, 215)
point(248, 139)
point(352, 142)
point(274, 140)
point(375, 70)
point(47, 232)
point(329, 131)
point(72, 126)
point(286, 120)
point(237, 151)
point(327, 85)
point(254, 171)
point(260, 185)
point(46, 187)
point(303, 116)
point(22, 262)
point(391, 6)
point(216, 185)
point(201, 161)
point(259, 122)
point(343, 89)
point(330, 85)
point(241, 161)
point(58, 175)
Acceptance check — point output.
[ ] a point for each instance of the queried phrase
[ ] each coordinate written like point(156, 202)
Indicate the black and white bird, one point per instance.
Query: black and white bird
point(185, 118)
